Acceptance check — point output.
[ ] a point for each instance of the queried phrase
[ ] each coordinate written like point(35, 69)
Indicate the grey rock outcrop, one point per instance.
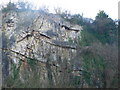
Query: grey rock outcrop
point(39, 36)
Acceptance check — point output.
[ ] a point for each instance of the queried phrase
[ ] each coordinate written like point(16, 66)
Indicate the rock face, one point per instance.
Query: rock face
point(39, 36)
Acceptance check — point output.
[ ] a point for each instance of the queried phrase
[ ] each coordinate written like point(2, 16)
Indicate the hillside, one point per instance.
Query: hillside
point(38, 37)
point(44, 50)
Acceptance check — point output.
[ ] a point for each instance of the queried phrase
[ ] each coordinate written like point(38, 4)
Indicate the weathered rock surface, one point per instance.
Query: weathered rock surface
point(39, 35)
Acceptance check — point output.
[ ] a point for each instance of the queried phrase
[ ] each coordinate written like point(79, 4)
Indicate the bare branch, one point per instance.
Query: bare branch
point(68, 28)
point(29, 35)
point(62, 45)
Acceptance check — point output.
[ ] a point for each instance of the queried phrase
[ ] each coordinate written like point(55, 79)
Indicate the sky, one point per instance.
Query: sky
point(89, 8)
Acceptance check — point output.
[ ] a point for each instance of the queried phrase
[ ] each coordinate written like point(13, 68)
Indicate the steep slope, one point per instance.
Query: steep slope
point(39, 36)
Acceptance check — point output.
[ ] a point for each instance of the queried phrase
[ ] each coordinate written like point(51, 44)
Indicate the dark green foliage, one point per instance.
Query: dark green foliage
point(104, 28)
point(31, 62)
point(87, 38)
point(76, 81)
point(31, 78)
point(13, 77)
point(101, 15)
point(76, 19)
point(93, 70)
point(15, 70)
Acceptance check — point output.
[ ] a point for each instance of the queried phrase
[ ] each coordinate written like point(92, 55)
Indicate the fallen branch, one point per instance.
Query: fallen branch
point(70, 29)
point(44, 35)
point(29, 35)
point(19, 54)
point(32, 34)
point(61, 45)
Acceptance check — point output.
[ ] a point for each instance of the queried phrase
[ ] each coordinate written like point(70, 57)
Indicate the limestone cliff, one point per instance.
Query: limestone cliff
point(40, 36)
